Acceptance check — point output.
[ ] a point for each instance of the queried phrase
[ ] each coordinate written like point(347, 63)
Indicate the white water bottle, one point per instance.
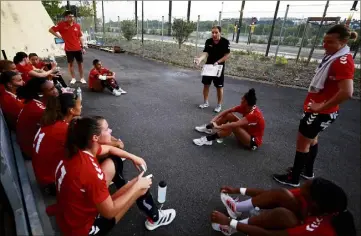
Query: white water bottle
point(162, 191)
point(78, 91)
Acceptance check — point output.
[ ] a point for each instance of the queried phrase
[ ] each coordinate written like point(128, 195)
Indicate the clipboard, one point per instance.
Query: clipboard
point(212, 70)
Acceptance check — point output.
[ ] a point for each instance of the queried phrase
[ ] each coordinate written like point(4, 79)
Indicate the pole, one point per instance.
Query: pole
point(136, 16)
point(161, 53)
point(272, 28)
point(240, 21)
point(197, 34)
point(189, 11)
point(119, 28)
point(67, 5)
point(283, 25)
point(318, 33)
point(303, 38)
point(143, 24)
point(170, 19)
point(219, 18)
point(103, 22)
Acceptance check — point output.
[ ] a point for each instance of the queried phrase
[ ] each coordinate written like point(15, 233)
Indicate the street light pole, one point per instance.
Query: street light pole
point(240, 21)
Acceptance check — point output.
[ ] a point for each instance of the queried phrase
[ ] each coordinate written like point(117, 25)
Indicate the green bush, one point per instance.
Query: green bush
point(129, 30)
point(262, 41)
point(181, 30)
point(281, 61)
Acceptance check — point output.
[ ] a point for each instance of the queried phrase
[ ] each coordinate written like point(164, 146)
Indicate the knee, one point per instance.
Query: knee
point(287, 217)
point(118, 164)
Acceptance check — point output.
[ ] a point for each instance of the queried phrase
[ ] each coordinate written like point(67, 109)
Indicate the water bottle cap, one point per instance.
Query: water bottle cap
point(162, 184)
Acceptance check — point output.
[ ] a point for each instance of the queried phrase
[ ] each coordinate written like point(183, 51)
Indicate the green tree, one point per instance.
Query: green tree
point(129, 29)
point(54, 9)
point(181, 30)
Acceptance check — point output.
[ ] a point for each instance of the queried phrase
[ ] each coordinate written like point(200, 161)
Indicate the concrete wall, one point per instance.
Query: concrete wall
point(24, 27)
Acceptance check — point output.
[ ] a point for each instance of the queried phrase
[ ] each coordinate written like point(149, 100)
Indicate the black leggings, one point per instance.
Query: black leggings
point(59, 79)
point(110, 84)
point(145, 203)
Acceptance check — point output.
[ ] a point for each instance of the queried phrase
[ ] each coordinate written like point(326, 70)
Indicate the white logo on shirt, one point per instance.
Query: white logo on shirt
point(314, 225)
point(96, 167)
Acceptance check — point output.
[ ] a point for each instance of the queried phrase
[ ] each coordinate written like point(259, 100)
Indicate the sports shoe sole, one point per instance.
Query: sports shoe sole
point(232, 214)
point(286, 183)
point(153, 227)
point(208, 144)
point(203, 131)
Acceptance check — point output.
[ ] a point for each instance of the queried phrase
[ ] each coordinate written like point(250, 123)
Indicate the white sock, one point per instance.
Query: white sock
point(244, 206)
point(73, 78)
point(245, 221)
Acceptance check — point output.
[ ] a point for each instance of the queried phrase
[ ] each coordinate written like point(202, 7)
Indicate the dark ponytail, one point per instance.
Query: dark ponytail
point(250, 97)
point(57, 108)
point(344, 224)
point(80, 133)
point(331, 199)
point(31, 89)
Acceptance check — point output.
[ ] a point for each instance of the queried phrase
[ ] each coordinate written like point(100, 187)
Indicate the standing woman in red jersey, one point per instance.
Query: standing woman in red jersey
point(331, 86)
point(317, 208)
point(10, 105)
point(82, 183)
point(35, 94)
point(49, 142)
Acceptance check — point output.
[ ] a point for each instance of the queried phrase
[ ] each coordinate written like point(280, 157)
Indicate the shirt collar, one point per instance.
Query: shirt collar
point(13, 95)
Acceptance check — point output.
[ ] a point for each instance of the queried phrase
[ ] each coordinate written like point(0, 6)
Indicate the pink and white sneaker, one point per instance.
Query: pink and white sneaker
point(230, 204)
point(225, 229)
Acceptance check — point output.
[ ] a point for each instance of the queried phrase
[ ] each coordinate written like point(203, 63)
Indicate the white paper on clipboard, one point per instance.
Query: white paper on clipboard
point(212, 70)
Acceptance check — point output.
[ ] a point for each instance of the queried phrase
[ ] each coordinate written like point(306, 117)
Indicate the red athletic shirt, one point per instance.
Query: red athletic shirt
point(28, 124)
point(24, 70)
point(312, 225)
point(342, 68)
point(94, 75)
point(71, 35)
point(40, 65)
point(81, 185)
point(256, 122)
point(11, 107)
point(48, 151)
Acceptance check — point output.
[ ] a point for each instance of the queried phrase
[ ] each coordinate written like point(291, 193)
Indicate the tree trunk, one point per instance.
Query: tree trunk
point(189, 11)
point(95, 15)
point(170, 19)
point(180, 45)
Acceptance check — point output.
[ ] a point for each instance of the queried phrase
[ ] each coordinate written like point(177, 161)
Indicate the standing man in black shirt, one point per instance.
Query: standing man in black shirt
point(216, 50)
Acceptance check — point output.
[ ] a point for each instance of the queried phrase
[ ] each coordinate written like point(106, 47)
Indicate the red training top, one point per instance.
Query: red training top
point(24, 70)
point(28, 124)
point(256, 122)
point(71, 35)
point(80, 185)
point(94, 75)
point(48, 151)
point(342, 68)
point(11, 107)
point(40, 65)
point(312, 225)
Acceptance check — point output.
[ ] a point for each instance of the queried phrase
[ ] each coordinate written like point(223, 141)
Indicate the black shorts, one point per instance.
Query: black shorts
point(217, 81)
point(253, 145)
point(70, 55)
point(102, 226)
point(312, 124)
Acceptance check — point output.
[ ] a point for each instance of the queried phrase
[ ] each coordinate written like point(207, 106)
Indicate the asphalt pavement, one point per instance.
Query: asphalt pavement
point(156, 121)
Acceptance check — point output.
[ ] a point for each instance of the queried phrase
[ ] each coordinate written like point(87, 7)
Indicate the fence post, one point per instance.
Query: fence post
point(142, 28)
point(119, 29)
point(318, 33)
point(272, 28)
point(197, 34)
point(303, 38)
point(220, 18)
point(240, 21)
point(161, 51)
point(103, 23)
point(283, 25)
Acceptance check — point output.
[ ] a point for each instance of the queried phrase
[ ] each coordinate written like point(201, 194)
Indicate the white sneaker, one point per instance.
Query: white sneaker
point(122, 91)
point(165, 218)
point(73, 81)
point(218, 108)
point(82, 80)
point(203, 129)
point(202, 141)
point(225, 229)
point(204, 105)
point(230, 204)
point(116, 93)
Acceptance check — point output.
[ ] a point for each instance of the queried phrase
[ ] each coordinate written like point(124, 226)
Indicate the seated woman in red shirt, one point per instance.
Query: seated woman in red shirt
point(6, 65)
point(103, 78)
point(318, 208)
point(10, 105)
point(248, 130)
point(82, 184)
point(35, 94)
point(27, 70)
point(42, 66)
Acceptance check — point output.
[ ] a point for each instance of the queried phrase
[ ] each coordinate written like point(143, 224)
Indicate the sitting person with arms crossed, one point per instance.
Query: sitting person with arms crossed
point(248, 130)
point(100, 78)
point(49, 142)
point(318, 208)
point(35, 94)
point(82, 184)
point(9, 103)
point(27, 70)
point(43, 66)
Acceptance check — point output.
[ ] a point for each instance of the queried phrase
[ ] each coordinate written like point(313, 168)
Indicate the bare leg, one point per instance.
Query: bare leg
point(230, 117)
point(108, 169)
point(81, 70)
point(252, 192)
point(205, 92)
point(71, 69)
point(276, 198)
point(220, 95)
point(243, 136)
point(275, 219)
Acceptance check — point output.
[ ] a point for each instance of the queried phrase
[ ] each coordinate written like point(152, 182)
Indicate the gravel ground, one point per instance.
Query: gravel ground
point(241, 64)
